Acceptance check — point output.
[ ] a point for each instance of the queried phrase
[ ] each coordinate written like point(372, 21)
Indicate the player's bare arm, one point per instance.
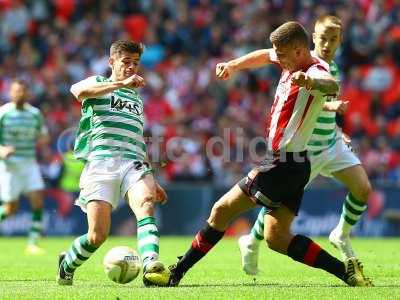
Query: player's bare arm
point(252, 60)
point(326, 84)
point(338, 106)
point(90, 89)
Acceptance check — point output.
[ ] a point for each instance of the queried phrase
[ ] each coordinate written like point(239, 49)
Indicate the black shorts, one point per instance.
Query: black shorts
point(279, 180)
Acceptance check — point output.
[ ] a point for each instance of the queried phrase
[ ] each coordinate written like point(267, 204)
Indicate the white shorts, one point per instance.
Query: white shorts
point(109, 179)
point(19, 178)
point(338, 157)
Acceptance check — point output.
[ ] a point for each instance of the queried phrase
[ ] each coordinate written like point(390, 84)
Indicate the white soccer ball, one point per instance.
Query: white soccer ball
point(122, 264)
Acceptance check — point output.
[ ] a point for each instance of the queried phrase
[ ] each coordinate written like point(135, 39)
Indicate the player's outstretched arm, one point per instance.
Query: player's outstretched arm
point(322, 82)
point(252, 60)
point(90, 88)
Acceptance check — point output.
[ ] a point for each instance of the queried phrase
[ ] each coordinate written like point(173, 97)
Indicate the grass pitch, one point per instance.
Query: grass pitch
point(217, 276)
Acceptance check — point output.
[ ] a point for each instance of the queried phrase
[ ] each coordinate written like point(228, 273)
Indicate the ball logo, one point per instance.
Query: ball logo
point(126, 106)
point(131, 258)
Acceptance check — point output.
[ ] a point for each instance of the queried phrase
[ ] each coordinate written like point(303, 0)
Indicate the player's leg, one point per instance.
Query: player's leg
point(100, 189)
point(249, 245)
point(8, 208)
point(141, 197)
point(233, 203)
point(304, 250)
point(346, 167)
point(33, 186)
point(35, 231)
point(356, 180)
point(257, 231)
point(11, 185)
point(99, 221)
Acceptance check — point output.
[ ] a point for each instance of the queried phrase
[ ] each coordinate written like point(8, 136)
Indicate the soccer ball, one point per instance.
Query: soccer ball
point(122, 264)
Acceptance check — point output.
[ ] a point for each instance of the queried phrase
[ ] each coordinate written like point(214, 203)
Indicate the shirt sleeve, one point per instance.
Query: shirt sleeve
point(318, 71)
point(84, 82)
point(273, 57)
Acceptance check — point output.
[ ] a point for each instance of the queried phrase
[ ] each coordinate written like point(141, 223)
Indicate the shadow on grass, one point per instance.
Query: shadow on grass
point(246, 285)
point(279, 285)
point(89, 283)
point(26, 280)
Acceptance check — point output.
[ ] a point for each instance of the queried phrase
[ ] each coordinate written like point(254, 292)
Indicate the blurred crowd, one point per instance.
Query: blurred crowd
point(200, 129)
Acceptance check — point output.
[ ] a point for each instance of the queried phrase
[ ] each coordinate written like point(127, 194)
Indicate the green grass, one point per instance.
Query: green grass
point(217, 276)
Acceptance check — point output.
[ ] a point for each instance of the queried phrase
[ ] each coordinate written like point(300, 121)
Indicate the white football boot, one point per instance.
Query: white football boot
point(249, 253)
point(33, 249)
point(342, 243)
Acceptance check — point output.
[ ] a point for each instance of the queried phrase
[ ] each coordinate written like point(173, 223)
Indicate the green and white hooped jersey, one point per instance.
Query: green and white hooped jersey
point(111, 125)
point(325, 132)
point(20, 128)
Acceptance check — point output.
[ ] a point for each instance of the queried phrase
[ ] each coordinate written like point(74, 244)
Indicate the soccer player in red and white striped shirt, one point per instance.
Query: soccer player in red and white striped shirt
point(330, 156)
point(279, 181)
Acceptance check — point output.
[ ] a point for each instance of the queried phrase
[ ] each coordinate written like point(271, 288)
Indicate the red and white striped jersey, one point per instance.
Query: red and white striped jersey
point(295, 110)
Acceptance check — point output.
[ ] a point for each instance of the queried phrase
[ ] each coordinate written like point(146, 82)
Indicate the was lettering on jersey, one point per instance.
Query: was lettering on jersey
point(117, 104)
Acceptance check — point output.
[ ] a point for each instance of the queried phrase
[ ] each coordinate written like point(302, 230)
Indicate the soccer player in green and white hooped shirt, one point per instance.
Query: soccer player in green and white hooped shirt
point(110, 141)
point(329, 156)
point(21, 127)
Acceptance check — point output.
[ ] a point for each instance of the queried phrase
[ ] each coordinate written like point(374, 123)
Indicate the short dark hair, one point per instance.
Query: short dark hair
point(126, 46)
point(290, 33)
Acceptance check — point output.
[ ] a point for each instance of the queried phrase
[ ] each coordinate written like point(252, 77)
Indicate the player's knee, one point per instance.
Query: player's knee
point(218, 210)
point(219, 217)
point(97, 237)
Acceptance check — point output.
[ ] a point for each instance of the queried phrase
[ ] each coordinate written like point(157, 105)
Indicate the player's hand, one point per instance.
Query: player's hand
point(224, 71)
point(161, 195)
point(338, 106)
point(346, 138)
point(303, 80)
point(6, 151)
point(134, 81)
point(343, 106)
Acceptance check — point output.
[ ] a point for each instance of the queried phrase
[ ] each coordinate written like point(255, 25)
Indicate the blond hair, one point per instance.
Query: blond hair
point(329, 21)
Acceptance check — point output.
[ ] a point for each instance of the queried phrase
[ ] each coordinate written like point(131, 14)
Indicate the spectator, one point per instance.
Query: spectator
point(55, 43)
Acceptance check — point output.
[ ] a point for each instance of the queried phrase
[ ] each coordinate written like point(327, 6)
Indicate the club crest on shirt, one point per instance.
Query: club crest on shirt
point(119, 105)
